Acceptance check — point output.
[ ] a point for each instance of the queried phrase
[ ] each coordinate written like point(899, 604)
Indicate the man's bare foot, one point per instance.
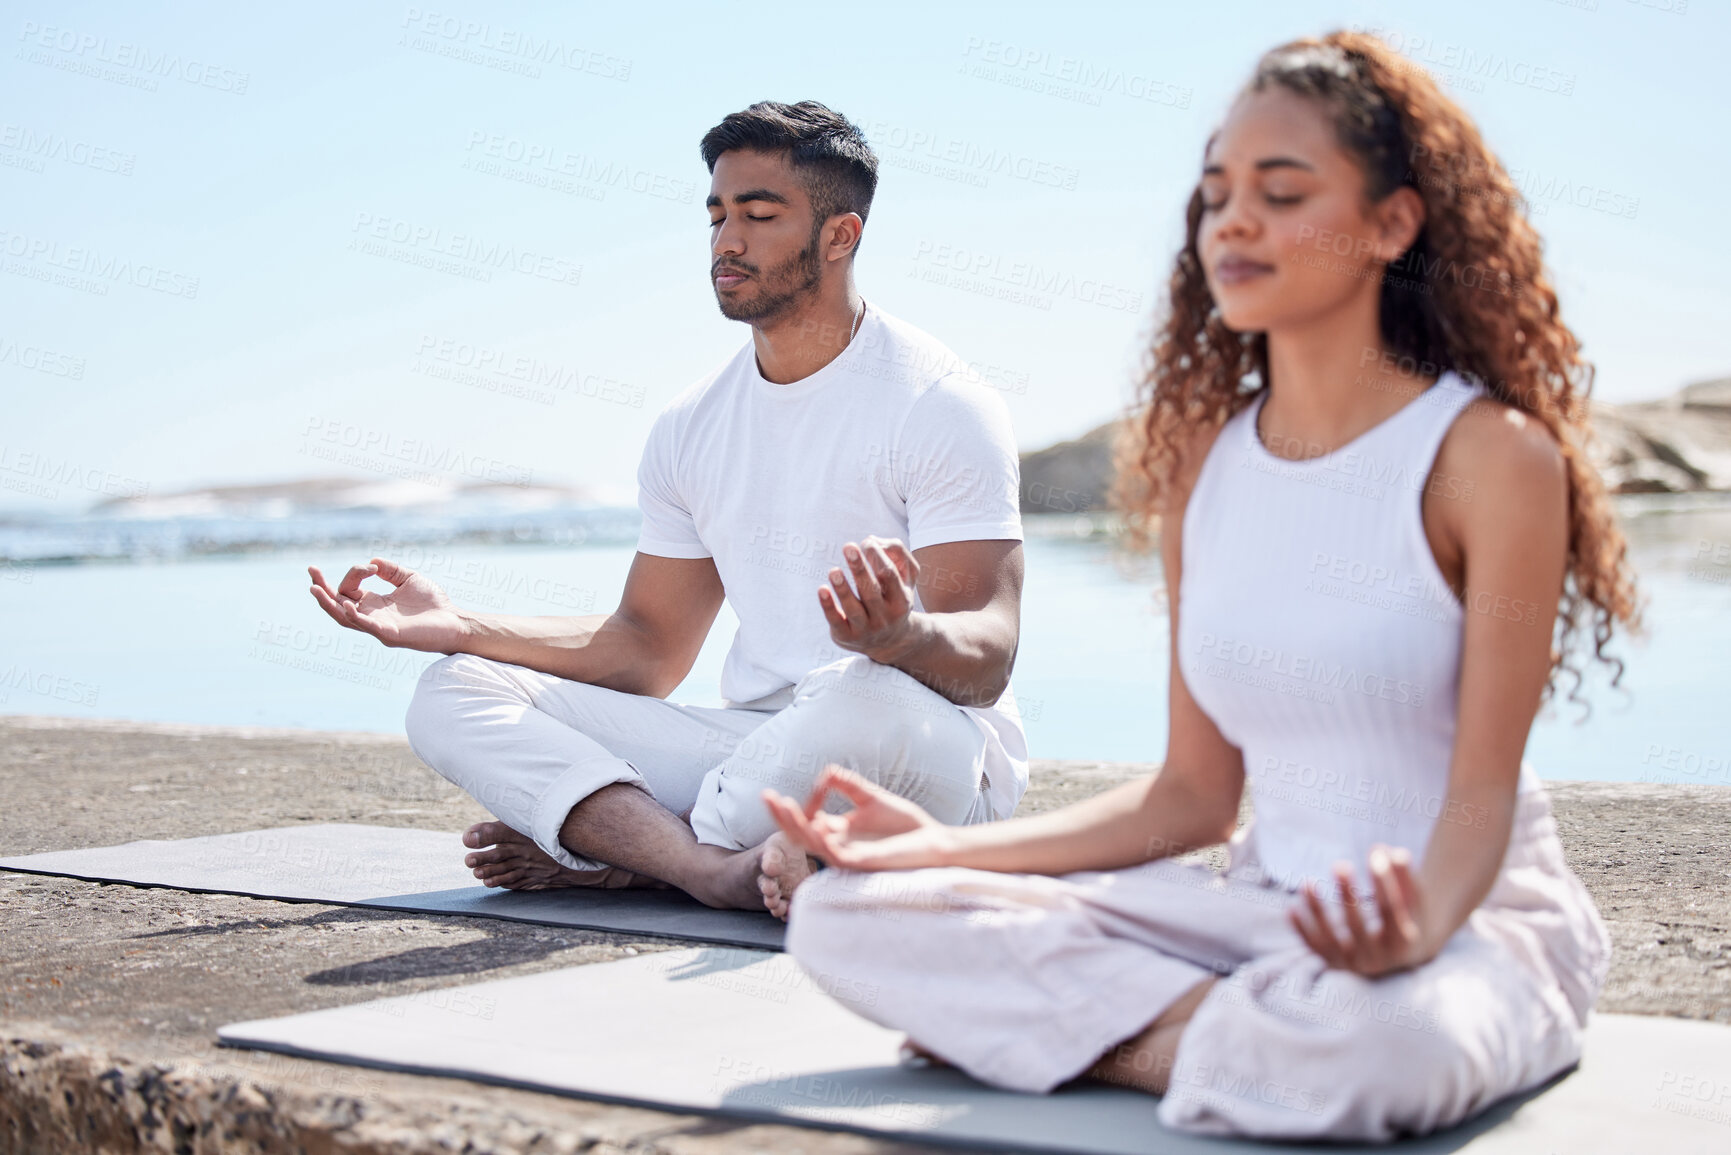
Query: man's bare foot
point(724, 879)
point(780, 870)
point(512, 860)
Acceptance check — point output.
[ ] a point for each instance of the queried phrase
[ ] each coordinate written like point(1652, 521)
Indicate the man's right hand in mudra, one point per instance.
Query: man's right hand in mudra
point(416, 615)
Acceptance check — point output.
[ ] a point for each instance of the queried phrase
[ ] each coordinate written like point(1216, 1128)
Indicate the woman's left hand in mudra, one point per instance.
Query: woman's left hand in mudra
point(1396, 941)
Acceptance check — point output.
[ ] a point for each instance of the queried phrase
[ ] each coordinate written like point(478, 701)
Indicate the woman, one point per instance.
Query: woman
point(1362, 437)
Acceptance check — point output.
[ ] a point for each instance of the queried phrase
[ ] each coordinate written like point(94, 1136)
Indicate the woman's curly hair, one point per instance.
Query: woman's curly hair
point(1470, 295)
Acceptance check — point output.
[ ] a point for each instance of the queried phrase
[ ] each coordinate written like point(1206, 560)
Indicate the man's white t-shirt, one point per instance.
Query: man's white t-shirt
point(895, 437)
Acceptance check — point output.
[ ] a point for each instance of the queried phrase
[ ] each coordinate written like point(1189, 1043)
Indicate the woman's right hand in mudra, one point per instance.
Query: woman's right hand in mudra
point(416, 615)
point(883, 831)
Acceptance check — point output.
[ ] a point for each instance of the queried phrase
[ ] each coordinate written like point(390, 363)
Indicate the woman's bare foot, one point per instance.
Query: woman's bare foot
point(512, 860)
point(780, 870)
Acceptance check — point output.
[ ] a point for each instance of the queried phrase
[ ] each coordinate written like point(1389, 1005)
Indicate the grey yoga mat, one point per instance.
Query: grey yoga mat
point(393, 868)
point(747, 1033)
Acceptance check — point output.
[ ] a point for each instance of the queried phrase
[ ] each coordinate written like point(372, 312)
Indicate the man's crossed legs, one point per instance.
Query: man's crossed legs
point(596, 787)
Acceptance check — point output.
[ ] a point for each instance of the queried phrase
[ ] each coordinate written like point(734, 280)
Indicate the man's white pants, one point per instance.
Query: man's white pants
point(529, 746)
point(1023, 981)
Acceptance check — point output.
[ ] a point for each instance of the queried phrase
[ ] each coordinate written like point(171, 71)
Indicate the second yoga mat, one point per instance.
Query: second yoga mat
point(749, 1034)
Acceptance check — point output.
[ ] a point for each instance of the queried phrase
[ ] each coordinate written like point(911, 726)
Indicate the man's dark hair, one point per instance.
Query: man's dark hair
point(828, 151)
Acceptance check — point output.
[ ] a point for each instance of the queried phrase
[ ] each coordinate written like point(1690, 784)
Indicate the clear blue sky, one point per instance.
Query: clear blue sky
point(257, 145)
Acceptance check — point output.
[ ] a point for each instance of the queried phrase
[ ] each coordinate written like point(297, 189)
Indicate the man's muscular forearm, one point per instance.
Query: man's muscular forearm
point(965, 655)
point(600, 649)
point(646, 646)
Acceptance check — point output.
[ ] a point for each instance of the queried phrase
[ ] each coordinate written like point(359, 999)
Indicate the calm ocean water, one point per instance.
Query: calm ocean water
point(236, 639)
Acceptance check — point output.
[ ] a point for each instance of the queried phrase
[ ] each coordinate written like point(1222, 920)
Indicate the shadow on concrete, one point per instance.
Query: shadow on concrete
point(505, 945)
point(472, 957)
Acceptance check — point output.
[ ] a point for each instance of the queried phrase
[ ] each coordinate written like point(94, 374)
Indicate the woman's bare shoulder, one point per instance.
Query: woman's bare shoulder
point(1495, 445)
point(1504, 467)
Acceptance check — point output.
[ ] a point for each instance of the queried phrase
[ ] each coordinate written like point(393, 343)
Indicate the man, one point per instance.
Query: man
point(839, 447)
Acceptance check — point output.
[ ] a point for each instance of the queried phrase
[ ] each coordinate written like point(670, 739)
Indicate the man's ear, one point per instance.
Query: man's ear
point(841, 235)
point(1400, 218)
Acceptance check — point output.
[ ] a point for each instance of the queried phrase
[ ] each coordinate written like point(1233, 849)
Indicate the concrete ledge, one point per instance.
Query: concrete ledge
point(110, 995)
point(59, 1096)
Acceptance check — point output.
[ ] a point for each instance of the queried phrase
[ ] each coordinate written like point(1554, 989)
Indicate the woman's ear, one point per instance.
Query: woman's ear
point(1399, 218)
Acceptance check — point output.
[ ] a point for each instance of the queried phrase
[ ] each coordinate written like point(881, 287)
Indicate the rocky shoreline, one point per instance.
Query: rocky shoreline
point(110, 995)
point(1677, 444)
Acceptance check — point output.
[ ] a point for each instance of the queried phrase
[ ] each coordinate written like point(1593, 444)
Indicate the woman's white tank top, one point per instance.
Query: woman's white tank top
point(1317, 632)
